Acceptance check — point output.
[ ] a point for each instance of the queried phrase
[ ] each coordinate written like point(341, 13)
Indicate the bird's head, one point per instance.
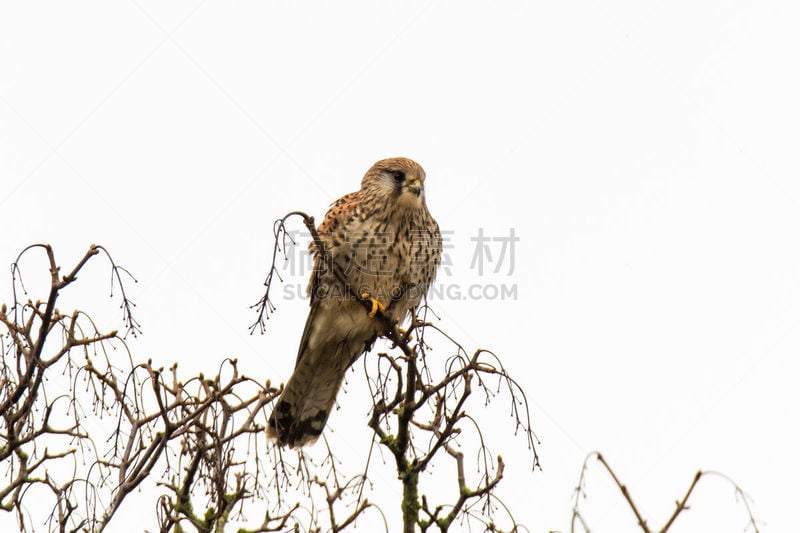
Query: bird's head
point(399, 180)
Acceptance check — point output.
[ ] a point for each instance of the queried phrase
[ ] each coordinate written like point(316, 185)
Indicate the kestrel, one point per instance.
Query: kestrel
point(388, 246)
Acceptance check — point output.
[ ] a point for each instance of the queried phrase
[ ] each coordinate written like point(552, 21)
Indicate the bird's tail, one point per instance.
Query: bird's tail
point(303, 408)
point(323, 358)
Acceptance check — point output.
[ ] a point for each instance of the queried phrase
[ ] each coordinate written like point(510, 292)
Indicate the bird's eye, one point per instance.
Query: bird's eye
point(398, 175)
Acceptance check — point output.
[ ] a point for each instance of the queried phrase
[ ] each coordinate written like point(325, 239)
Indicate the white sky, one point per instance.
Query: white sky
point(644, 153)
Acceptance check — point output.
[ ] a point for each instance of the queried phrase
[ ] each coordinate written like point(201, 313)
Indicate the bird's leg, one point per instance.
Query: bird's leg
point(376, 305)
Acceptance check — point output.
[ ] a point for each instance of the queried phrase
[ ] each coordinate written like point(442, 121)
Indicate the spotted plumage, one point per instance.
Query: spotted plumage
point(386, 242)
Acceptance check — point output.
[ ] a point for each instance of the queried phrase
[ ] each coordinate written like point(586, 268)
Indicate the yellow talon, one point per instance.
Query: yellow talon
point(375, 304)
point(405, 333)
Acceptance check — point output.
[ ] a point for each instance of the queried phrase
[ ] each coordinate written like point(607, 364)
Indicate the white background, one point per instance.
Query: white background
point(645, 154)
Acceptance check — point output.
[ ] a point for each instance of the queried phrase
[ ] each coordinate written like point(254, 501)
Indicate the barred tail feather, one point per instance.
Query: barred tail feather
point(302, 410)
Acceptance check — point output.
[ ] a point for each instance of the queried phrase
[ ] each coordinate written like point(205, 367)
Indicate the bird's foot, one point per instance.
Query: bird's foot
point(376, 305)
point(405, 333)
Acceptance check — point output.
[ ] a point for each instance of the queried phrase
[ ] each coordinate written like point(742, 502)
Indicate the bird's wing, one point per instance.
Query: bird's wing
point(335, 219)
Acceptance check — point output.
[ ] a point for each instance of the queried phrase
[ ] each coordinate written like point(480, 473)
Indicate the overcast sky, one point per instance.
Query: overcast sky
point(618, 182)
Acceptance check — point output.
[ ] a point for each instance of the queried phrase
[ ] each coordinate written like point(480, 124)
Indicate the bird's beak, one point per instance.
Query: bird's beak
point(415, 186)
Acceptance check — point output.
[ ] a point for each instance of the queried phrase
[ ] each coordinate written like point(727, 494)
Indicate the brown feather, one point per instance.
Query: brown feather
point(386, 242)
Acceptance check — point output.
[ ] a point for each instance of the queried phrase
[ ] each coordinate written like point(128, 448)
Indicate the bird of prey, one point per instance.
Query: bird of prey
point(388, 247)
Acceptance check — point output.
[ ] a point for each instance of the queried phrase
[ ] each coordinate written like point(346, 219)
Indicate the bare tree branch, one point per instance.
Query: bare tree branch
point(83, 425)
point(680, 506)
point(204, 435)
point(403, 391)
